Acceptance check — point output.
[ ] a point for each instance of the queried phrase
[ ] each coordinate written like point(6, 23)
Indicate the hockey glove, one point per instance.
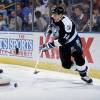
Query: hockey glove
point(46, 47)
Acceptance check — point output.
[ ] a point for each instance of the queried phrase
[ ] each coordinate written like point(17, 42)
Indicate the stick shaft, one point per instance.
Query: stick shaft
point(37, 62)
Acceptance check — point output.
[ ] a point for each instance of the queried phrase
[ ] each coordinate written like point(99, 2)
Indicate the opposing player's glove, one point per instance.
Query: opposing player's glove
point(46, 47)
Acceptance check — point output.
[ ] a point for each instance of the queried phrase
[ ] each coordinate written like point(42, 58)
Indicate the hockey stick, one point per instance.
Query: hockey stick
point(37, 62)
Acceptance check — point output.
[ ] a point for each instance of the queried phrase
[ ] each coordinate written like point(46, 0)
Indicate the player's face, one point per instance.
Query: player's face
point(56, 17)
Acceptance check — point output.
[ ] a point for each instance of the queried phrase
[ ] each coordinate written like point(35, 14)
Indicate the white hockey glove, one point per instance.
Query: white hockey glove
point(46, 47)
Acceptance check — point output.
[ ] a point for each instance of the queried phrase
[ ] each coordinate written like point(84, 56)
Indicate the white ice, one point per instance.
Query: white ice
point(46, 85)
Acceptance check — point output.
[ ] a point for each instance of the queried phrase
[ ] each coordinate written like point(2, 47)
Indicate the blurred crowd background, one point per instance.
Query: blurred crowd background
point(34, 15)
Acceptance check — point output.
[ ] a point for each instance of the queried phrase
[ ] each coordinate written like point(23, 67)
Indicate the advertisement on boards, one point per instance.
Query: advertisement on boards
point(23, 41)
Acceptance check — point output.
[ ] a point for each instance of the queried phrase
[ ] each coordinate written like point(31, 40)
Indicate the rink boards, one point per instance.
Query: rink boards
point(28, 44)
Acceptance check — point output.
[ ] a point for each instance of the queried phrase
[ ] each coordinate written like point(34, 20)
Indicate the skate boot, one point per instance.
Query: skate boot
point(1, 71)
point(84, 76)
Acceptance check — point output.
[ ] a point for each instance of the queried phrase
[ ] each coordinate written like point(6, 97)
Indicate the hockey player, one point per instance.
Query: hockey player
point(68, 41)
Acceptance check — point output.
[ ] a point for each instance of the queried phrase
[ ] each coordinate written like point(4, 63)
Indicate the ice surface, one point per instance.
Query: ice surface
point(46, 85)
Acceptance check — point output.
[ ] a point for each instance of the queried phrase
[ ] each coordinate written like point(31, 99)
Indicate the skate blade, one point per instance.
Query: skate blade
point(89, 83)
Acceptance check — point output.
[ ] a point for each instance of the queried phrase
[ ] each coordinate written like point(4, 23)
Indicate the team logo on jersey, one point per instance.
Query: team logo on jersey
point(68, 27)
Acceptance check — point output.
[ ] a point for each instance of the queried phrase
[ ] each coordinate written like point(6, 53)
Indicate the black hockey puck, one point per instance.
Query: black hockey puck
point(17, 50)
point(15, 85)
point(1, 71)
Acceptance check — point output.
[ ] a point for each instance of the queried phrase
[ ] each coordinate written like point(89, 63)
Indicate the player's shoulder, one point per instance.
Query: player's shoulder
point(66, 20)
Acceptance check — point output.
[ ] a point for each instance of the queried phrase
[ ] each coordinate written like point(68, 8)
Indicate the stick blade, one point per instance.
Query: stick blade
point(36, 72)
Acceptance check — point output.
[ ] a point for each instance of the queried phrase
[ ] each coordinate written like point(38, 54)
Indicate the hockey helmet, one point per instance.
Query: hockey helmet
point(57, 10)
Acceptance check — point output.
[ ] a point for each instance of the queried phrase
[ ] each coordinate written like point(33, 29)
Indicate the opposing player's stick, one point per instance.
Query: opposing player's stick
point(37, 62)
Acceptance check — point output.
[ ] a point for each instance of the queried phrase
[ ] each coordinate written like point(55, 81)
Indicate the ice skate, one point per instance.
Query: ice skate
point(84, 76)
point(87, 79)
